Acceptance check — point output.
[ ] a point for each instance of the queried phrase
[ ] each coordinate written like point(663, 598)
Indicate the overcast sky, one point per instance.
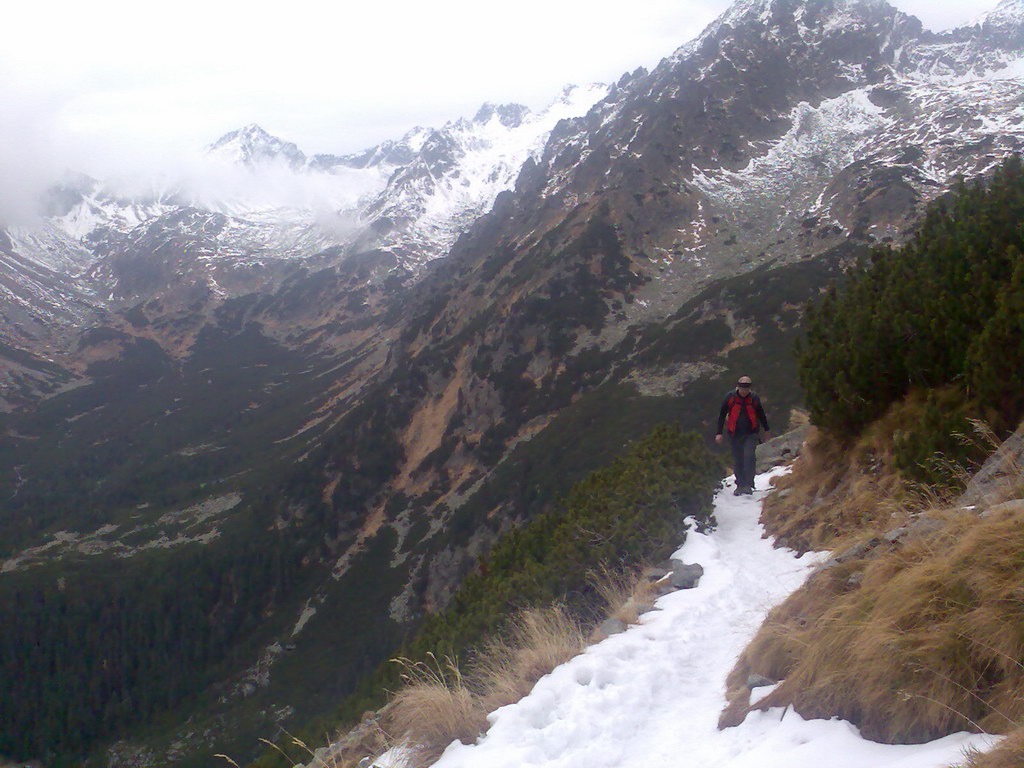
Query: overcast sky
point(111, 84)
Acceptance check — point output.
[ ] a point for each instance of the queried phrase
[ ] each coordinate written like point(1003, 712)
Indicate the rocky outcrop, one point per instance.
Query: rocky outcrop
point(782, 449)
point(1000, 476)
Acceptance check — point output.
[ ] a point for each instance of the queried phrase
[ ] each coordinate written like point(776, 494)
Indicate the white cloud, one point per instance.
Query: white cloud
point(117, 84)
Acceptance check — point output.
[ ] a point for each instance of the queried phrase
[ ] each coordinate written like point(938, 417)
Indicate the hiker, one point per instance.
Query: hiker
point(743, 416)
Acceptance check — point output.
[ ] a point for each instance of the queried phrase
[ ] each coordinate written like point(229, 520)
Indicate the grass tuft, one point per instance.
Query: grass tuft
point(837, 490)
point(438, 704)
point(626, 594)
point(537, 641)
point(1009, 753)
point(434, 708)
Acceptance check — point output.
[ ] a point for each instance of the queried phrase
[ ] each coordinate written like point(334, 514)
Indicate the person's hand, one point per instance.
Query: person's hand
point(718, 439)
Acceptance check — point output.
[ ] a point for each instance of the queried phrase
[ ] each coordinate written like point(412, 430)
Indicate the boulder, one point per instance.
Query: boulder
point(1000, 477)
point(1013, 507)
point(655, 573)
point(782, 449)
point(610, 627)
point(686, 576)
point(895, 534)
point(663, 588)
point(925, 525)
point(755, 680)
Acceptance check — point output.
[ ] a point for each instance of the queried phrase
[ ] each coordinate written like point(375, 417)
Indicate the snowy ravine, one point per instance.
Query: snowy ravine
point(651, 696)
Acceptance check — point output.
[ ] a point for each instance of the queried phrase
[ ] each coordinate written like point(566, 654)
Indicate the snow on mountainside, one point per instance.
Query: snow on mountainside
point(226, 222)
point(786, 128)
point(252, 146)
point(459, 170)
point(279, 204)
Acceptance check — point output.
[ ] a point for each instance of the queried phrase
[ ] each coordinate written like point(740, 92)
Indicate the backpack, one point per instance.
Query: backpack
point(734, 404)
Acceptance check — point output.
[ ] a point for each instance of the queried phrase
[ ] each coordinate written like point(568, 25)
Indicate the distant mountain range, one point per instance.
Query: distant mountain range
point(364, 369)
point(223, 228)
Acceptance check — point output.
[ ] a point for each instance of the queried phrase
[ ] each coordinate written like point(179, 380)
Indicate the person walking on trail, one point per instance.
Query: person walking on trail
point(743, 417)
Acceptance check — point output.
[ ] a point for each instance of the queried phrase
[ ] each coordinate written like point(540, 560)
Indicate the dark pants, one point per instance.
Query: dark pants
point(743, 460)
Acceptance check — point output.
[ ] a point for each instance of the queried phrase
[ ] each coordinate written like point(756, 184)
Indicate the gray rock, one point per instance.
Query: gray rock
point(856, 551)
point(855, 579)
point(782, 449)
point(895, 534)
point(686, 576)
point(1013, 507)
point(998, 476)
point(925, 525)
point(654, 574)
point(755, 680)
point(865, 549)
point(611, 627)
point(663, 588)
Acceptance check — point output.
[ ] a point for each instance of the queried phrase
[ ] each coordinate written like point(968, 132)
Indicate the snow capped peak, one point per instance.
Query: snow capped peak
point(1009, 14)
point(509, 115)
point(1008, 9)
point(252, 146)
point(767, 17)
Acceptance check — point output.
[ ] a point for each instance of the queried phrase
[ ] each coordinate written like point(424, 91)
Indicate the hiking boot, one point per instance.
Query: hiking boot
point(747, 491)
point(738, 491)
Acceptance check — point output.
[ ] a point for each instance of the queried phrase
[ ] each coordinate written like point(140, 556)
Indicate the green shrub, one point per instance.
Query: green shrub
point(920, 318)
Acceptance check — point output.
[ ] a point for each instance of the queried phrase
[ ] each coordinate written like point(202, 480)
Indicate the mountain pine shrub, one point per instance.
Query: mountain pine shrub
point(921, 318)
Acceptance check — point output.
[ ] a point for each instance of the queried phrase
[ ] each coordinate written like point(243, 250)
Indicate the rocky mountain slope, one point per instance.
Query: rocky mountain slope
point(252, 211)
point(371, 424)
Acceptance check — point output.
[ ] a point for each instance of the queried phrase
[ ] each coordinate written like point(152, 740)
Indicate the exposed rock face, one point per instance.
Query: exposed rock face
point(782, 449)
point(1000, 477)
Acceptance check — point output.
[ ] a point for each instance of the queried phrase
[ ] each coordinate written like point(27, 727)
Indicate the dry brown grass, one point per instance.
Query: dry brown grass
point(626, 594)
point(438, 705)
point(434, 708)
point(346, 751)
point(928, 642)
point(838, 491)
point(1008, 754)
point(538, 640)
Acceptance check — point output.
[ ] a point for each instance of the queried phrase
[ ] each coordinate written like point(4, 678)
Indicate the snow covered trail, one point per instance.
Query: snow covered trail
point(651, 696)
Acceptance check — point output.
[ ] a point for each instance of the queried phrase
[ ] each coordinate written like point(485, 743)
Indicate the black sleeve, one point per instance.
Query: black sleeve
point(761, 418)
point(722, 413)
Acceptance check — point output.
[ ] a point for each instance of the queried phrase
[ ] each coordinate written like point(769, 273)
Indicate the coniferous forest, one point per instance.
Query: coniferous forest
point(85, 653)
